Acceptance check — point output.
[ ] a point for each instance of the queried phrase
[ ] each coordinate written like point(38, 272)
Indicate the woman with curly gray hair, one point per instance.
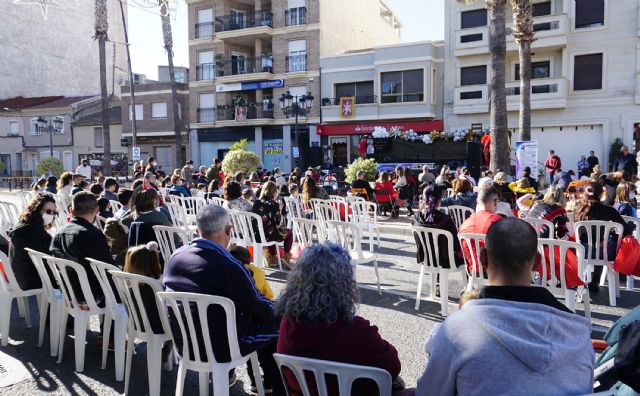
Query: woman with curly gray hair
point(319, 321)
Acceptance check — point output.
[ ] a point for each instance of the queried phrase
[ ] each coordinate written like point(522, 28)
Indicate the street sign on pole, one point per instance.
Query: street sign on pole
point(296, 152)
point(136, 153)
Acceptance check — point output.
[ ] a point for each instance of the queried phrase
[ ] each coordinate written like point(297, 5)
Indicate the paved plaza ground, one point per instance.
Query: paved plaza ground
point(392, 311)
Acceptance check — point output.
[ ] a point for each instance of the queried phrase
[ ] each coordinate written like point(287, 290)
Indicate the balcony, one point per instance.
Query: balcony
point(237, 69)
point(295, 16)
point(204, 30)
point(243, 28)
point(296, 63)
point(206, 115)
point(362, 99)
point(471, 99)
point(546, 93)
point(253, 111)
point(551, 31)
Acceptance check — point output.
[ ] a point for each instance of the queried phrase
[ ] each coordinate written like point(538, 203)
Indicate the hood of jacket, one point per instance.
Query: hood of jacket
point(535, 334)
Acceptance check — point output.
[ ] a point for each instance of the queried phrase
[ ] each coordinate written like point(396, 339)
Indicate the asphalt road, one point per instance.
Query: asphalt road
point(392, 311)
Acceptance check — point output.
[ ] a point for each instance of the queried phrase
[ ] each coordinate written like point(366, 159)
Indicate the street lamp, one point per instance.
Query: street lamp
point(296, 106)
point(58, 123)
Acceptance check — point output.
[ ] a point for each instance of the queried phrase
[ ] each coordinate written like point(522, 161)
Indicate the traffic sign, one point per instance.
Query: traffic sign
point(296, 152)
point(136, 153)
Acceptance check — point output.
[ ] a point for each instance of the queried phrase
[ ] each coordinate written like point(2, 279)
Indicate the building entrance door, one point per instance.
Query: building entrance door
point(340, 150)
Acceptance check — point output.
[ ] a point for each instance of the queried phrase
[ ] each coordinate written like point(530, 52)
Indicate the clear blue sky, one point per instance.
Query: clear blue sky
point(422, 20)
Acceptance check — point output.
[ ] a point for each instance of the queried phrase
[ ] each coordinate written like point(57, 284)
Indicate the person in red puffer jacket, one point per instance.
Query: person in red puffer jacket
point(319, 321)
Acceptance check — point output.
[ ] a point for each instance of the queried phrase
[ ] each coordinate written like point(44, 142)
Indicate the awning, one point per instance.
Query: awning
point(363, 128)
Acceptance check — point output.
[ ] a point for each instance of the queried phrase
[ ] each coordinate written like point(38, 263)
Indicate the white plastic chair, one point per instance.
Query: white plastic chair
point(539, 225)
point(179, 217)
point(191, 205)
point(348, 236)
point(571, 216)
point(558, 286)
point(307, 232)
point(345, 373)
point(636, 234)
point(114, 312)
point(9, 214)
point(294, 210)
point(206, 364)
point(598, 233)
point(115, 205)
point(100, 222)
point(9, 290)
point(324, 211)
point(252, 234)
point(474, 243)
point(52, 298)
point(170, 239)
point(341, 204)
point(365, 216)
point(427, 240)
point(449, 193)
point(215, 201)
point(61, 269)
point(458, 213)
point(139, 326)
point(236, 230)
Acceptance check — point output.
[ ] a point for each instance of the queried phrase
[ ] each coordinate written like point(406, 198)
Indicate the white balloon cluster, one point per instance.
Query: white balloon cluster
point(459, 135)
point(426, 139)
point(380, 133)
point(411, 136)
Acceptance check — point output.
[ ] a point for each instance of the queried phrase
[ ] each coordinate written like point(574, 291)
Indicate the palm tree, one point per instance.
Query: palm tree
point(101, 28)
point(498, 48)
point(168, 46)
point(524, 35)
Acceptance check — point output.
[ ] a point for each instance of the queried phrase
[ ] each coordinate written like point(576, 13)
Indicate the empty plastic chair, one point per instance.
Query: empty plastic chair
point(542, 225)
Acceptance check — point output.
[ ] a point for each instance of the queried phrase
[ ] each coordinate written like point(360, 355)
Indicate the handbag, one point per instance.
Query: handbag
point(627, 260)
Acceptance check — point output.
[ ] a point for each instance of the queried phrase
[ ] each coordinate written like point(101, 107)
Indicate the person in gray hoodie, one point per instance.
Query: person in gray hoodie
point(514, 339)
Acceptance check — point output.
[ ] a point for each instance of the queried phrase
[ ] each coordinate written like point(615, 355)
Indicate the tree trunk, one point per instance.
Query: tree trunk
point(168, 46)
point(524, 120)
point(499, 127)
point(101, 28)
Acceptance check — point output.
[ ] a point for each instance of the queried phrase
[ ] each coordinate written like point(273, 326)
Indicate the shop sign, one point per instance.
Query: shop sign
point(273, 148)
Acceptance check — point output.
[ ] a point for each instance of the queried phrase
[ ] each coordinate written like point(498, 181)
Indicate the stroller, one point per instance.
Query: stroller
point(387, 201)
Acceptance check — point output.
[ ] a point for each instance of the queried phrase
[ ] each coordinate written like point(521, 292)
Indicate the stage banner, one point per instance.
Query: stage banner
point(527, 156)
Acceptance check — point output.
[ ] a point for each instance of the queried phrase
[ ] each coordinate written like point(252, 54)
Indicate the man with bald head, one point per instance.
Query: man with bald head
point(514, 339)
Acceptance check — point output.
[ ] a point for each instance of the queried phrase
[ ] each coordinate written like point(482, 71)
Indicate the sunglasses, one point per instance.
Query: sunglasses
point(51, 212)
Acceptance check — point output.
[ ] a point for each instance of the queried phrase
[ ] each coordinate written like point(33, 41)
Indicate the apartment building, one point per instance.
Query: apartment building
point(585, 74)
point(245, 54)
point(25, 136)
point(397, 85)
point(154, 121)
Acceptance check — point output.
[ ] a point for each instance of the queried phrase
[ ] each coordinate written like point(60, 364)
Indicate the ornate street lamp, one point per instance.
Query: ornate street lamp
point(296, 106)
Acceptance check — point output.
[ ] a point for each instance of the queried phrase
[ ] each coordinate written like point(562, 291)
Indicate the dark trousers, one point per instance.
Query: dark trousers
point(272, 379)
point(287, 242)
point(551, 177)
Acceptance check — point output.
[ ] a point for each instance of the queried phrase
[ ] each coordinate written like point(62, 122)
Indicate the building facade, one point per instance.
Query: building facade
point(24, 139)
point(245, 54)
point(396, 85)
point(585, 74)
point(154, 121)
point(57, 56)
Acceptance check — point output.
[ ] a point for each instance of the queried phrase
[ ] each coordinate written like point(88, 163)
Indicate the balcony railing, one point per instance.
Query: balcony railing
point(362, 99)
point(206, 114)
point(471, 99)
point(295, 16)
point(244, 21)
point(296, 63)
point(546, 93)
point(205, 71)
point(204, 29)
point(253, 111)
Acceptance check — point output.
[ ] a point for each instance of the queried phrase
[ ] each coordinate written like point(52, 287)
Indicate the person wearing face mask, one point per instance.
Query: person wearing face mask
point(31, 232)
point(187, 171)
point(80, 239)
point(84, 169)
point(152, 167)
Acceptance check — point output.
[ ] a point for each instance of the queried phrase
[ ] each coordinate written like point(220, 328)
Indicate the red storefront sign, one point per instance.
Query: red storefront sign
point(364, 128)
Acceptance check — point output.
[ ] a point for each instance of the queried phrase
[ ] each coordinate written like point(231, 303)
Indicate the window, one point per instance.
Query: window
point(204, 27)
point(541, 69)
point(36, 129)
point(589, 13)
point(362, 90)
point(297, 91)
point(587, 72)
point(206, 111)
point(139, 112)
point(98, 137)
point(13, 128)
point(205, 66)
point(159, 110)
point(404, 86)
point(541, 9)
point(297, 59)
point(296, 13)
point(474, 18)
point(434, 86)
point(473, 75)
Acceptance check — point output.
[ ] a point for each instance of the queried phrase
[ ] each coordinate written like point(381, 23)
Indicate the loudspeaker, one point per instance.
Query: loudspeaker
point(474, 158)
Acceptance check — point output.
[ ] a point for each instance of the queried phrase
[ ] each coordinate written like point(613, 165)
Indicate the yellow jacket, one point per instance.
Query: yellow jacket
point(261, 282)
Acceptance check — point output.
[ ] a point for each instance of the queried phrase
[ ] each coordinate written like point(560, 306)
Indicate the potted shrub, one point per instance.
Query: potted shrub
point(219, 58)
point(326, 101)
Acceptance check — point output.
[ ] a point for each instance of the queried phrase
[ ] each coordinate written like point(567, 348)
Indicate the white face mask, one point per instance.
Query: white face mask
point(47, 218)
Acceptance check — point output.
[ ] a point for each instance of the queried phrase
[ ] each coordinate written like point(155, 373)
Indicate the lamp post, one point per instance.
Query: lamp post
point(58, 123)
point(296, 106)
